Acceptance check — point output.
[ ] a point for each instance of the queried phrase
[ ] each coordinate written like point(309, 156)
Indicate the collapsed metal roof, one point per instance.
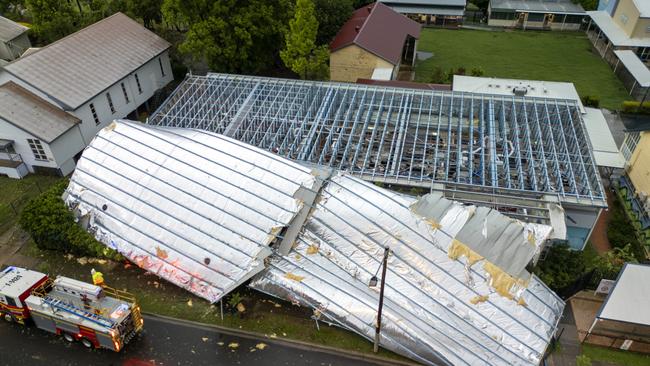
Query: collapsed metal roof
point(208, 213)
point(195, 208)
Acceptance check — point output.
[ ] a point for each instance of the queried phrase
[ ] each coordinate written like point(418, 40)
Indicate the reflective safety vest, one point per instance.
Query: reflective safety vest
point(98, 278)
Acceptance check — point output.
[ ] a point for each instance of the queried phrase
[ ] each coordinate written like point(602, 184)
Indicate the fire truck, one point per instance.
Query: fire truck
point(98, 317)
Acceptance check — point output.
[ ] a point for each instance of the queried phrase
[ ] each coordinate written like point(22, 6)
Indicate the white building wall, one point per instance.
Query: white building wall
point(151, 80)
point(10, 132)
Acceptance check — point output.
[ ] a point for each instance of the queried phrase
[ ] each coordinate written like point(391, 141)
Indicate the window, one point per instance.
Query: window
point(94, 112)
point(110, 102)
point(126, 95)
point(162, 70)
point(536, 17)
point(137, 81)
point(502, 15)
point(37, 149)
point(647, 30)
point(629, 145)
point(11, 302)
point(574, 19)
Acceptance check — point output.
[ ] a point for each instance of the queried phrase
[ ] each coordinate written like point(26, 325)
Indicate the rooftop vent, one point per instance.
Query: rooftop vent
point(357, 28)
point(520, 91)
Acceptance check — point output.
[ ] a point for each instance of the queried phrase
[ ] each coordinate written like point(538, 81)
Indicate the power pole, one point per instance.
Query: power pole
point(381, 296)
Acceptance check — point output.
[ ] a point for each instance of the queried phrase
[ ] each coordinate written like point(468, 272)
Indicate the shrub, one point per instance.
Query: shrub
point(621, 232)
point(634, 107)
point(438, 76)
point(591, 101)
point(583, 360)
point(477, 71)
point(561, 267)
point(52, 226)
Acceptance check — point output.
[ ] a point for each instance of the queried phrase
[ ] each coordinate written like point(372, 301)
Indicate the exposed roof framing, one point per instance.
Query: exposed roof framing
point(503, 145)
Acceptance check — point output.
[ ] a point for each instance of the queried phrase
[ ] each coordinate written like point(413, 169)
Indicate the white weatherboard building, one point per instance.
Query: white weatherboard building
point(94, 76)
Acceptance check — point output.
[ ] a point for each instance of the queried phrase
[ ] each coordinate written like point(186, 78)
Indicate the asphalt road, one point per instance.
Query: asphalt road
point(161, 343)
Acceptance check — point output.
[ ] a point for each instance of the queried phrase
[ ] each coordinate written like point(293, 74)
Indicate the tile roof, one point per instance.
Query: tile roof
point(377, 29)
point(78, 67)
point(10, 29)
point(31, 113)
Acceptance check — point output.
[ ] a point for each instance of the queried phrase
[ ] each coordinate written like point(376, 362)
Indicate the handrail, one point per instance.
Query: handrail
point(119, 294)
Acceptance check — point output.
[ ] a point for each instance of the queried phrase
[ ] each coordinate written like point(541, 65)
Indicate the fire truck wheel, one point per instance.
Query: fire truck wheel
point(87, 343)
point(8, 318)
point(68, 337)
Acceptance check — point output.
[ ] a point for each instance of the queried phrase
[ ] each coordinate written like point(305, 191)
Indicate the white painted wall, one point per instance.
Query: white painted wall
point(151, 80)
point(67, 145)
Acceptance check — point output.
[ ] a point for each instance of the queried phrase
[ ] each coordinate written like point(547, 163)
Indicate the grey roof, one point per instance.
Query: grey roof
point(552, 6)
point(78, 67)
point(426, 3)
point(30, 113)
point(10, 29)
point(635, 66)
point(421, 9)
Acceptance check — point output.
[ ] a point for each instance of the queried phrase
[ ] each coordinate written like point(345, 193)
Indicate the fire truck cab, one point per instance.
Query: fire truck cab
point(98, 317)
point(16, 285)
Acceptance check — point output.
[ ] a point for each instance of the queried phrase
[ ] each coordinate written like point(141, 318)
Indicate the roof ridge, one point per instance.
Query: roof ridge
point(371, 11)
point(68, 36)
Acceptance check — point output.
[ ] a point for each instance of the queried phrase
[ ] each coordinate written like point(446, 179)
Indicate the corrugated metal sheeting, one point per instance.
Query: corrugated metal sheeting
point(457, 291)
point(195, 208)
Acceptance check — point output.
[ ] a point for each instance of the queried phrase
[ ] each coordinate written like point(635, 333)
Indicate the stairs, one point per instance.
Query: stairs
point(136, 315)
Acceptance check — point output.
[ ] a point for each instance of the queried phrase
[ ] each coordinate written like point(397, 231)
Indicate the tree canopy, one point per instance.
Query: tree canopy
point(331, 16)
point(231, 36)
point(301, 54)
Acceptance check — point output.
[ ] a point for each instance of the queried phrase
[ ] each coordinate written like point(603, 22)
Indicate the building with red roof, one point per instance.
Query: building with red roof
point(375, 40)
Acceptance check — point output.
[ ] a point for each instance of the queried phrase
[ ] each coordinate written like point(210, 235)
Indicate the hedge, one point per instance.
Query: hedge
point(53, 227)
point(634, 107)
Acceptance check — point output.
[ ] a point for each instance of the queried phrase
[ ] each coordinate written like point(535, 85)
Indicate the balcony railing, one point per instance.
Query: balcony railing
point(10, 160)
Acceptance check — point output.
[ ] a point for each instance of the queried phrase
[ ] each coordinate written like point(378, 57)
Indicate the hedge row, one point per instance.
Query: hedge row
point(634, 107)
point(53, 227)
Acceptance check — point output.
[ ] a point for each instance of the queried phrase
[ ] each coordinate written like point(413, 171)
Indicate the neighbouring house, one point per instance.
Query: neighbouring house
point(579, 219)
point(103, 72)
point(623, 321)
point(626, 27)
point(536, 14)
point(13, 39)
point(42, 136)
point(635, 185)
point(373, 44)
point(445, 13)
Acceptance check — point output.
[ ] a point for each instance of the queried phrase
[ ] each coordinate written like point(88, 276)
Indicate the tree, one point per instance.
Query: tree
point(301, 54)
point(147, 10)
point(52, 19)
point(561, 267)
point(231, 36)
point(332, 14)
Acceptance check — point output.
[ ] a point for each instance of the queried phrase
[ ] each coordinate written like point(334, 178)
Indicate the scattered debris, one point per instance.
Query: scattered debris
point(189, 303)
point(261, 346)
point(233, 345)
point(241, 308)
point(83, 261)
point(312, 249)
point(220, 343)
point(478, 299)
point(205, 339)
point(277, 305)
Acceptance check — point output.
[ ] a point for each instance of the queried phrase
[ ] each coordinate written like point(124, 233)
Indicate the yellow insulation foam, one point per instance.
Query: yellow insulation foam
point(478, 299)
point(294, 277)
point(458, 249)
point(501, 281)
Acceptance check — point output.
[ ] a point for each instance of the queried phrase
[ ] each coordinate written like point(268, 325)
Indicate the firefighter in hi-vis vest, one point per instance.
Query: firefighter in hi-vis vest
point(98, 278)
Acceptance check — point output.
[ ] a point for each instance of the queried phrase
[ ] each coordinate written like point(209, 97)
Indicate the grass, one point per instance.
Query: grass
point(17, 192)
point(264, 314)
point(623, 358)
point(552, 56)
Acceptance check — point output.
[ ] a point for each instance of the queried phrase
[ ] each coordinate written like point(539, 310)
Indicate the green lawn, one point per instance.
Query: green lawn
point(17, 192)
point(622, 358)
point(552, 56)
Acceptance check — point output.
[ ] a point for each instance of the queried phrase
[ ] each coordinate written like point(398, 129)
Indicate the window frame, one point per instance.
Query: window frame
point(126, 95)
point(137, 81)
point(162, 70)
point(110, 102)
point(93, 111)
point(36, 146)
